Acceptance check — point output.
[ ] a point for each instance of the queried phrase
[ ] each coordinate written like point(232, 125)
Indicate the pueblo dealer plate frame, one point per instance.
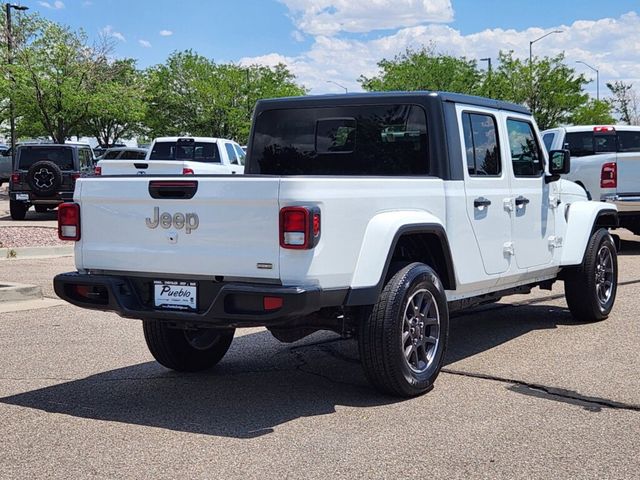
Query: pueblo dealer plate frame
point(175, 295)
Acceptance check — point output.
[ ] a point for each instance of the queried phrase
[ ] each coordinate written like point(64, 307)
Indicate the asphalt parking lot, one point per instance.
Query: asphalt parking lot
point(527, 392)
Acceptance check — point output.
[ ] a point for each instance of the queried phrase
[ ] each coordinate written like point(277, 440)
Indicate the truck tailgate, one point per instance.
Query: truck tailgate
point(229, 228)
point(141, 167)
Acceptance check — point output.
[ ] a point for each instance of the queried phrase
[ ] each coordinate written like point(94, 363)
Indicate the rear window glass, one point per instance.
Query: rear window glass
point(195, 151)
point(344, 140)
point(547, 139)
point(111, 155)
point(61, 156)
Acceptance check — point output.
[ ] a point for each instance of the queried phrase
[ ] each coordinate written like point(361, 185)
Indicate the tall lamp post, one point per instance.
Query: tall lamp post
point(341, 86)
point(531, 64)
point(488, 60)
point(597, 77)
point(12, 119)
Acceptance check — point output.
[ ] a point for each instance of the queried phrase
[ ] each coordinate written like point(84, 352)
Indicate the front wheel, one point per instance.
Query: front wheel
point(402, 342)
point(186, 350)
point(590, 289)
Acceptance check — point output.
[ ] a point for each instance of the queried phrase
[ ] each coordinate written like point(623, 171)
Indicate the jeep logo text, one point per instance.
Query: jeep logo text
point(188, 221)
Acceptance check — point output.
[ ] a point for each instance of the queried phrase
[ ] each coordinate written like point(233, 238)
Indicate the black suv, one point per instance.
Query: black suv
point(45, 176)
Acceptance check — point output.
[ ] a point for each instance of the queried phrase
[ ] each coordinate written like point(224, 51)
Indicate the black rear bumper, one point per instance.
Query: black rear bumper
point(232, 304)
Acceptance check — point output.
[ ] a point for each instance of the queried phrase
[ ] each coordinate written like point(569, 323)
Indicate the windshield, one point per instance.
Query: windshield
point(61, 156)
point(194, 151)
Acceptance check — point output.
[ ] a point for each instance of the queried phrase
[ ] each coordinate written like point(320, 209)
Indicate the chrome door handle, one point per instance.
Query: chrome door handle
point(481, 202)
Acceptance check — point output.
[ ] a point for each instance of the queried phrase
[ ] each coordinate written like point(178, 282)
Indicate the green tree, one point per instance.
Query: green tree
point(593, 112)
point(425, 69)
point(625, 101)
point(192, 95)
point(116, 107)
point(551, 89)
point(56, 74)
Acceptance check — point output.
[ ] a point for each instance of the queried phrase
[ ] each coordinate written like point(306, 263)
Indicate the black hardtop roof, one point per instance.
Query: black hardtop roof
point(370, 97)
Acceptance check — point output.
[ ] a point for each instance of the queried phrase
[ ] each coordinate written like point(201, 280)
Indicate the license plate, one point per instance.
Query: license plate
point(175, 295)
point(22, 196)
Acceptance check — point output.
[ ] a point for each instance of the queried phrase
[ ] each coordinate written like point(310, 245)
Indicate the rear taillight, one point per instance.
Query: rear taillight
point(187, 171)
point(609, 175)
point(15, 178)
point(299, 227)
point(97, 171)
point(69, 221)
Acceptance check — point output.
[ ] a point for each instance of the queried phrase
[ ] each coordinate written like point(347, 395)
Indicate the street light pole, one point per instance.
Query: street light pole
point(341, 86)
point(597, 77)
point(488, 60)
point(12, 119)
point(531, 42)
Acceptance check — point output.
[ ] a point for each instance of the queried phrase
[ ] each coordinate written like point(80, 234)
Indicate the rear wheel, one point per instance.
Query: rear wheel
point(402, 342)
point(590, 289)
point(186, 350)
point(18, 210)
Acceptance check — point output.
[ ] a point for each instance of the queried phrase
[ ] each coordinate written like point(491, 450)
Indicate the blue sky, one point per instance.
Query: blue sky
point(345, 38)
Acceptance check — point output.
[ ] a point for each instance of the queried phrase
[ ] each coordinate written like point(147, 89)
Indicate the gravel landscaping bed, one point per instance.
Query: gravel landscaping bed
point(29, 237)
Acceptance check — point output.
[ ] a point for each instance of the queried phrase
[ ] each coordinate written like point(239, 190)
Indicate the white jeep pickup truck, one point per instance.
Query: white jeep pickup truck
point(371, 215)
point(181, 156)
point(605, 161)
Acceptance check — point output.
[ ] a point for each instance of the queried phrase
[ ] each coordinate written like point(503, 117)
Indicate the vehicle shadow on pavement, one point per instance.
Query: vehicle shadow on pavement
point(261, 383)
point(629, 247)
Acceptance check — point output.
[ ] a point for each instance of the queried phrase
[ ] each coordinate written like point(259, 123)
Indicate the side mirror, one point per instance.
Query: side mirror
point(559, 162)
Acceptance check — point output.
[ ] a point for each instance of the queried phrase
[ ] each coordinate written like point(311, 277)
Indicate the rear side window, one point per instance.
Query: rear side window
point(85, 157)
point(111, 154)
point(195, 151)
point(629, 141)
point(547, 139)
point(61, 156)
point(241, 154)
point(526, 156)
point(481, 144)
point(344, 140)
point(233, 159)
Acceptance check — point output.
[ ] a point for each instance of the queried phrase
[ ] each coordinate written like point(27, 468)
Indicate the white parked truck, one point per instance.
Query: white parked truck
point(180, 156)
point(605, 161)
point(371, 215)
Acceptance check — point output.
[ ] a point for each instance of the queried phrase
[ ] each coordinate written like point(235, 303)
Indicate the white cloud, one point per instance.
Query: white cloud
point(108, 31)
point(144, 43)
point(329, 17)
point(166, 33)
point(57, 5)
point(297, 36)
point(609, 44)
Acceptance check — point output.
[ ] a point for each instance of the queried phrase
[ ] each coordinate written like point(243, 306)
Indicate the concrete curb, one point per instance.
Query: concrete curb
point(33, 252)
point(18, 292)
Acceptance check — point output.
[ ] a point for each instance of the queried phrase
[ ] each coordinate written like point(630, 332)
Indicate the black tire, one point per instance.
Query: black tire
point(44, 178)
point(381, 334)
point(173, 348)
point(18, 210)
point(41, 208)
point(586, 291)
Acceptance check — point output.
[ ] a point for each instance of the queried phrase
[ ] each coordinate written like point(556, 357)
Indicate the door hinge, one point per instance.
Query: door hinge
point(507, 203)
point(555, 242)
point(508, 249)
point(554, 202)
